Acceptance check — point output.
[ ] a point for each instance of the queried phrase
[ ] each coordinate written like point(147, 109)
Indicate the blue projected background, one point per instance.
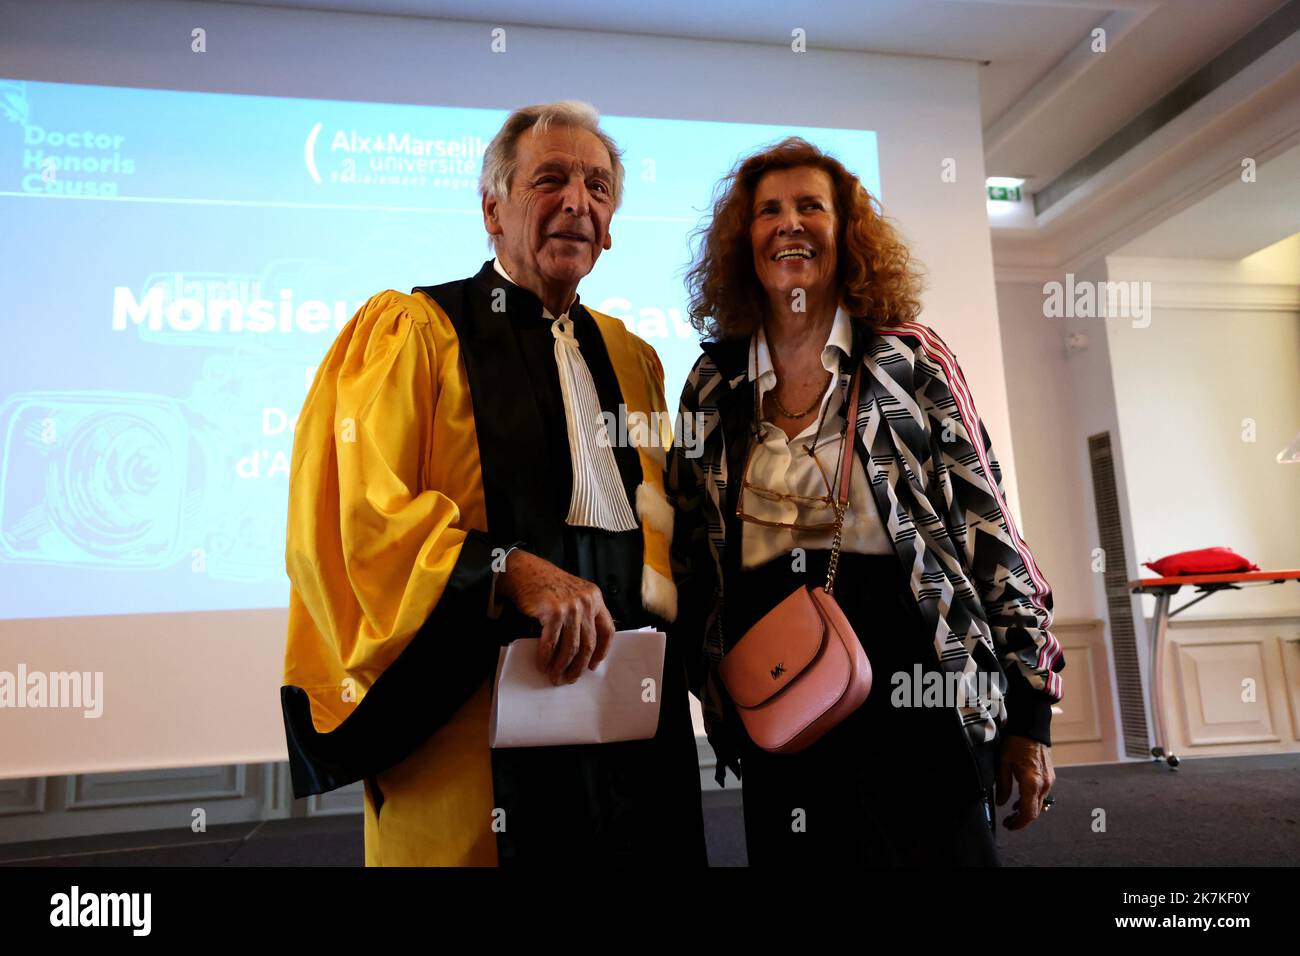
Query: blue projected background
point(145, 435)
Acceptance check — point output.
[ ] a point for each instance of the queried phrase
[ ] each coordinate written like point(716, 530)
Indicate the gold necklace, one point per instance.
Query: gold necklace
point(786, 413)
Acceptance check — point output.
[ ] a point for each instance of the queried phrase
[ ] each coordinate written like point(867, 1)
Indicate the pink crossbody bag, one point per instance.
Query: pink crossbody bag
point(801, 669)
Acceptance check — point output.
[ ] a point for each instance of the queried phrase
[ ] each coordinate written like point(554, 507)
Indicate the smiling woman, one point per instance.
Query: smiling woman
point(812, 302)
point(842, 225)
point(793, 238)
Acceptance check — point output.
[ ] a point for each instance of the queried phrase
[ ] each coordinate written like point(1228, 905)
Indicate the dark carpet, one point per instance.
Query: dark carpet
point(1228, 811)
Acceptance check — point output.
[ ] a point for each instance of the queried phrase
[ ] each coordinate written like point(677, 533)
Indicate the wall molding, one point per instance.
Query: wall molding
point(1207, 660)
point(1184, 294)
point(99, 791)
point(22, 796)
point(81, 805)
point(78, 805)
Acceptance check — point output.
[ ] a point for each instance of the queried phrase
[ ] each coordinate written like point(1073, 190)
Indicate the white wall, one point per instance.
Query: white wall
point(1051, 446)
point(1061, 398)
point(925, 111)
point(1222, 351)
point(1222, 345)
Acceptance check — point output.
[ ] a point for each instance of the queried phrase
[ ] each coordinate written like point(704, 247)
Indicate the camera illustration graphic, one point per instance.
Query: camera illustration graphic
point(90, 479)
point(130, 481)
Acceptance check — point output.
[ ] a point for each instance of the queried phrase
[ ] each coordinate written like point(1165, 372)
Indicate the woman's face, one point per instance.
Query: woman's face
point(792, 232)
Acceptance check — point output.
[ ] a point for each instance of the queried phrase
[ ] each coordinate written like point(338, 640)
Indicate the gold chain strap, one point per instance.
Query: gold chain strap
point(833, 563)
point(846, 462)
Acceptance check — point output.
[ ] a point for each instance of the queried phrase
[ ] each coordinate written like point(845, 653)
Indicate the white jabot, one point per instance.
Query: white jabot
point(598, 499)
point(781, 464)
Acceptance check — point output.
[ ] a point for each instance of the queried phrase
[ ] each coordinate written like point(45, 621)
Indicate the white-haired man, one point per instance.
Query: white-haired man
point(449, 493)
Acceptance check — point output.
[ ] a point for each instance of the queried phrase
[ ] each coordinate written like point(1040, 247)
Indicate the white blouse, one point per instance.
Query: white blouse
point(783, 465)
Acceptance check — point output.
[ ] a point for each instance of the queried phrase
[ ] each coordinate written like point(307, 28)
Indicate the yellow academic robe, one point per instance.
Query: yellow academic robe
point(385, 490)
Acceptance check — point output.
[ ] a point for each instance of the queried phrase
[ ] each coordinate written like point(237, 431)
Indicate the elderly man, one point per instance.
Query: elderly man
point(451, 490)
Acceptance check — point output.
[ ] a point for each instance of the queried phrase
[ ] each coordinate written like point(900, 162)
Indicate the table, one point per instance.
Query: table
point(1164, 589)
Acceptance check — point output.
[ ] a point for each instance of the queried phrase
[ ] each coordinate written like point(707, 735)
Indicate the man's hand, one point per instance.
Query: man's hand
point(1031, 765)
point(576, 626)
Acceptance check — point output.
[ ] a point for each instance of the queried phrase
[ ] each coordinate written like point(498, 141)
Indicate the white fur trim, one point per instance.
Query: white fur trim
point(654, 509)
point(658, 593)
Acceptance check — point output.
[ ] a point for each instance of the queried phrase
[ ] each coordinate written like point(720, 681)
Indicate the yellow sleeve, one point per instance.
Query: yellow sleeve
point(370, 548)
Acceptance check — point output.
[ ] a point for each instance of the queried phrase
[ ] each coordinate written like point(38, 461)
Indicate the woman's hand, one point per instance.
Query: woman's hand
point(1031, 764)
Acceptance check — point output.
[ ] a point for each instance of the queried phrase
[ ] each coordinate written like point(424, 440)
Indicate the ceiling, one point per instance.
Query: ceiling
point(1233, 222)
point(1151, 45)
point(1047, 99)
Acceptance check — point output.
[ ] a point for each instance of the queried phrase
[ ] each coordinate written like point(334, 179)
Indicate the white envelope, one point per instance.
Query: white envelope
point(619, 700)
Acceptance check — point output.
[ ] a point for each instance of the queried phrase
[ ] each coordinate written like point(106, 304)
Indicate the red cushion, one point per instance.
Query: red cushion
point(1204, 561)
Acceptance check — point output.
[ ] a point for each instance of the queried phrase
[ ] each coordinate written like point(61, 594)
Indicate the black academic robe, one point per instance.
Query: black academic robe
point(636, 801)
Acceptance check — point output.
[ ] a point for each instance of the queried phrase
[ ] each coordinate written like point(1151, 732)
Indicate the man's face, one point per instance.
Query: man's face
point(555, 222)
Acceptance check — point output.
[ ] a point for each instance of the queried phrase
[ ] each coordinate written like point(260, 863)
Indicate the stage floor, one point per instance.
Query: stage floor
point(1214, 811)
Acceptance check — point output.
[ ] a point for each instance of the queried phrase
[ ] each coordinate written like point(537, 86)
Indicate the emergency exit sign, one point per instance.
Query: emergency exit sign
point(1004, 193)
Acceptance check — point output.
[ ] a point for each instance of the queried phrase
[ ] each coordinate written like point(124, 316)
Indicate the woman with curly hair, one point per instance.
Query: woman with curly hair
point(808, 296)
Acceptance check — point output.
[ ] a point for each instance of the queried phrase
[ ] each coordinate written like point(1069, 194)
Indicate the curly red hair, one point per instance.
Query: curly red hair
point(878, 280)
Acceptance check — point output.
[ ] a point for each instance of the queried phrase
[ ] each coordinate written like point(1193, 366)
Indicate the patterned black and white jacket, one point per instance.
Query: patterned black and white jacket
point(928, 460)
